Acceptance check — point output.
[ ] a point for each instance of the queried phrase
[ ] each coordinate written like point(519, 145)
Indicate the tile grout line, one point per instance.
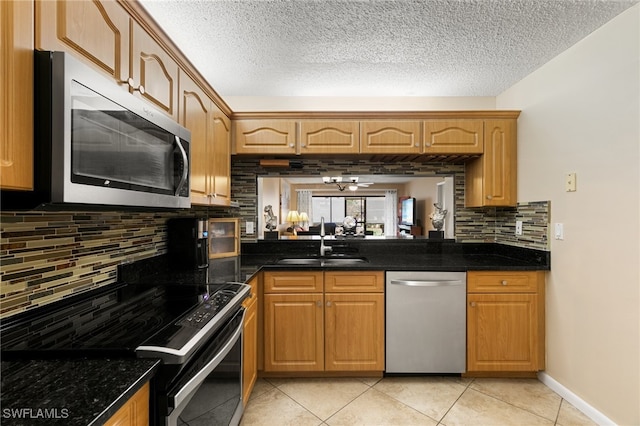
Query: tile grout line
point(456, 401)
point(513, 405)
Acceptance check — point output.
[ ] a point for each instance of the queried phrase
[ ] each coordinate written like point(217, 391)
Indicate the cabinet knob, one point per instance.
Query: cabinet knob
point(489, 197)
point(417, 145)
point(427, 144)
point(503, 282)
point(304, 145)
point(328, 303)
point(319, 304)
point(472, 304)
point(132, 85)
point(291, 145)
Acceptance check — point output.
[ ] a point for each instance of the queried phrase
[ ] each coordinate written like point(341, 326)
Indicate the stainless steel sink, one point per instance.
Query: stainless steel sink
point(309, 261)
point(322, 261)
point(337, 261)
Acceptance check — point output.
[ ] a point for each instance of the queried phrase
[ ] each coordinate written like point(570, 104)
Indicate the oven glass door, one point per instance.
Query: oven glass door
point(113, 147)
point(209, 389)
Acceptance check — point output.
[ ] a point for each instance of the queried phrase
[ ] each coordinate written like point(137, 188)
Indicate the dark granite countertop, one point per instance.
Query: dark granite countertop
point(396, 254)
point(69, 392)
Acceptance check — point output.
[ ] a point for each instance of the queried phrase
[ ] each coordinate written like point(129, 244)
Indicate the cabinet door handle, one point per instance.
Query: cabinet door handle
point(472, 304)
point(319, 304)
point(291, 145)
point(503, 282)
point(489, 197)
point(328, 303)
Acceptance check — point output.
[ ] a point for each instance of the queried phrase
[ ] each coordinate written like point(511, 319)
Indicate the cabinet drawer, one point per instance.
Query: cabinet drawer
point(504, 282)
point(293, 282)
point(354, 281)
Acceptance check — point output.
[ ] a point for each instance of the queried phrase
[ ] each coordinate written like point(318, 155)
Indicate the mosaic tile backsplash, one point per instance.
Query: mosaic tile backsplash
point(45, 256)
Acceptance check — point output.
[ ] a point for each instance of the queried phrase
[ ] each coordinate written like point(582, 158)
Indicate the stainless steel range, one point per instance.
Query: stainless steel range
point(195, 328)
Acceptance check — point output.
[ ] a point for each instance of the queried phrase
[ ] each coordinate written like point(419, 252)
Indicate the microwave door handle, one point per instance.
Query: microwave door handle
point(185, 169)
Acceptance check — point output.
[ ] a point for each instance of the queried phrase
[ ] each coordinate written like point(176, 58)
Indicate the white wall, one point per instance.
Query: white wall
point(581, 113)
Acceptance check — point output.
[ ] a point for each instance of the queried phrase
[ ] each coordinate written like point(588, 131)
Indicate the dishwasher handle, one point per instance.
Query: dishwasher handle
point(427, 283)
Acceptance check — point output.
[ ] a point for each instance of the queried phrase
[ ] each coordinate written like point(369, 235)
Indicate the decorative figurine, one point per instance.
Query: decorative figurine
point(437, 217)
point(270, 220)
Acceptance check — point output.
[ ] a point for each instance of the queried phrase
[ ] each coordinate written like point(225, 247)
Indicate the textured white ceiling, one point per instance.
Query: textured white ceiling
point(375, 47)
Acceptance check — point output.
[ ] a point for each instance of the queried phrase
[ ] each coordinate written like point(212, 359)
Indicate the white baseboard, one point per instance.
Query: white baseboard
point(575, 400)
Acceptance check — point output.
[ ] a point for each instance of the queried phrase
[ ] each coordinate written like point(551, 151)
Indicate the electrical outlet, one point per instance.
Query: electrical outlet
point(250, 228)
point(518, 227)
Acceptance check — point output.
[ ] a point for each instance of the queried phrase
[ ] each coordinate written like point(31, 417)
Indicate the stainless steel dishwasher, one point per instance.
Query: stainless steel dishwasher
point(426, 322)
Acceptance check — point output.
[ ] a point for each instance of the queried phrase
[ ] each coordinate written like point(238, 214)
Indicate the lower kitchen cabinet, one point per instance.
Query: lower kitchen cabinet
point(354, 332)
point(505, 321)
point(250, 342)
point(135, 412)
point(341, 330)
point(293, 332)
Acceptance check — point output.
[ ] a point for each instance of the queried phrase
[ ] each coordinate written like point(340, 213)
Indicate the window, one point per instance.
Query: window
point(368, 211)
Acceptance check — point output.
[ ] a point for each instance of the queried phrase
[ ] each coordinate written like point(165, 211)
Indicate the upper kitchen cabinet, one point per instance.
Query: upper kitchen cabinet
point(453, 136)
point(103, 34)
point(265, 136)
point(329, 137)
point(210, 139)
point(97, 31)
point(390, 137)
point(221, 162)
point(153, 69)
point(16, 95)
point(491, 179)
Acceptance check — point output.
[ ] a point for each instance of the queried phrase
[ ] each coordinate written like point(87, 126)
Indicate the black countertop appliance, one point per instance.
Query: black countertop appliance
point(187, 239)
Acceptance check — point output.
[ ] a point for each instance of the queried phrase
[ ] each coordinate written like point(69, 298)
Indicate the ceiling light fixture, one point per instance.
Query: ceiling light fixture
point(351, 183)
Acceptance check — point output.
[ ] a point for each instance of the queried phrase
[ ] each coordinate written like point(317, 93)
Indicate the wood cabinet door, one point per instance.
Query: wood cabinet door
point(293, 281)
point(97, 31)
point(453, 136)
point(153, 69)
point(293, 332)
point(329, 137)
point(16, 95)
point(500, 162)
point(220, 162)
point(265, 136)
point(249, 348)
point(195, 111)
point(135, 412)
point(354, 332)
point(491, 180)
point(503, 332)
point(390, 137)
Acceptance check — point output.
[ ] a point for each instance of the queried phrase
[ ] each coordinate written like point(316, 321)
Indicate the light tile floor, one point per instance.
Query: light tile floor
point(425, 400)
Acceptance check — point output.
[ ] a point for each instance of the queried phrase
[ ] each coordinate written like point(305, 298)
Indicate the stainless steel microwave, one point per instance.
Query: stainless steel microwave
point(101, 144)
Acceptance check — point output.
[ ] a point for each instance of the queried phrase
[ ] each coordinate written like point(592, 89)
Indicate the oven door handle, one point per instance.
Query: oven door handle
point(185, 392)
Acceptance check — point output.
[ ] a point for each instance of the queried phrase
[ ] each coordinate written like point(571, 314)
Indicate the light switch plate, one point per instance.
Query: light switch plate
point(559, 231)
point(570, 182)
point(518, 227)
point(250, 228)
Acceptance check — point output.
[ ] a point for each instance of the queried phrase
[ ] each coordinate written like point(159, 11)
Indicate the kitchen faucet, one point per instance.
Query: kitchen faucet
point(324, 249)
